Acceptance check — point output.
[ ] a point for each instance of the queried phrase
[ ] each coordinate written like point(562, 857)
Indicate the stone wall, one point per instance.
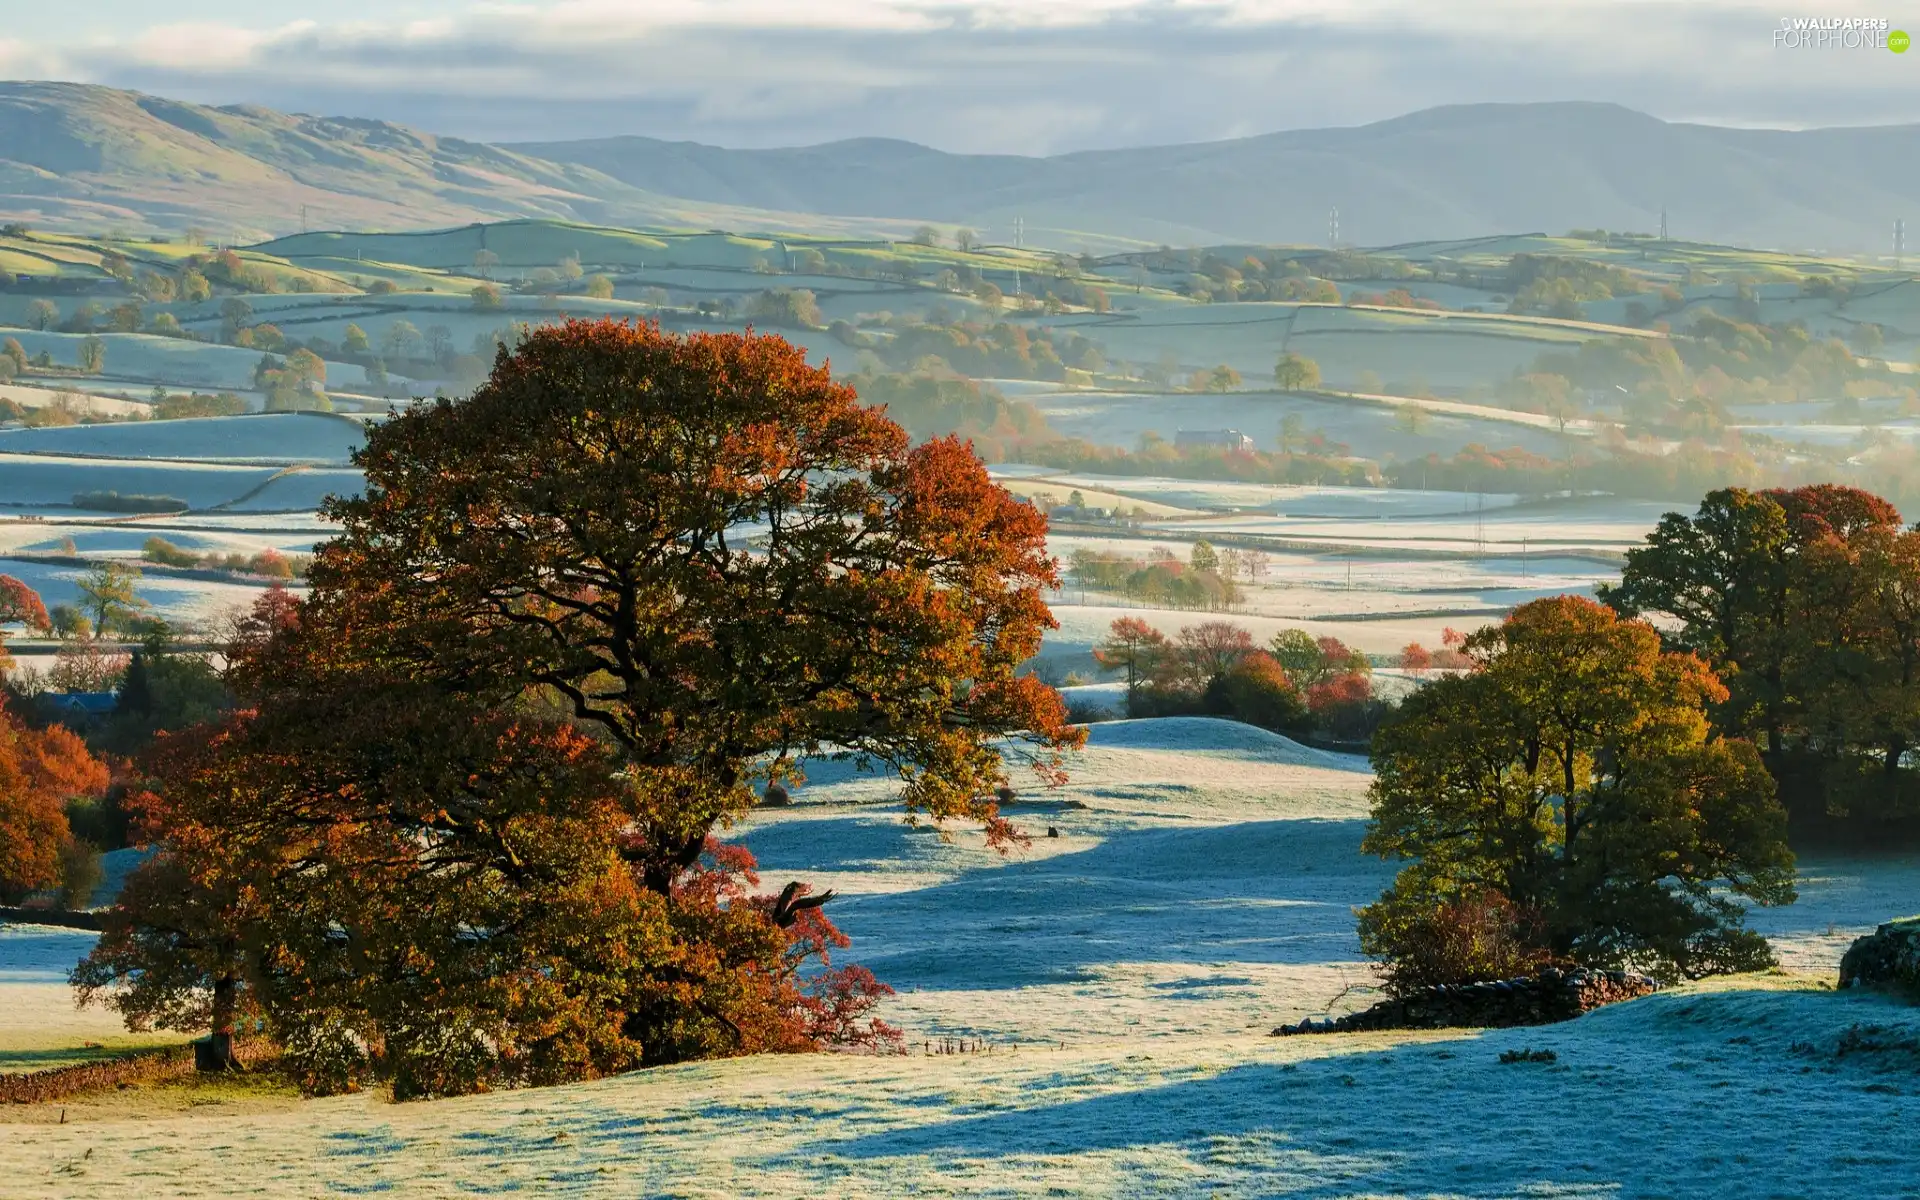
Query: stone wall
point(1552, 995)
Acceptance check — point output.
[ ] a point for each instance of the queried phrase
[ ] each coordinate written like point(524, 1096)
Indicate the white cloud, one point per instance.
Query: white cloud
point(987, 75)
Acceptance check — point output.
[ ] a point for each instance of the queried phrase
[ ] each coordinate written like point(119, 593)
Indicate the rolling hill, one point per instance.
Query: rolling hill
point(77, 156)
point(82, 157)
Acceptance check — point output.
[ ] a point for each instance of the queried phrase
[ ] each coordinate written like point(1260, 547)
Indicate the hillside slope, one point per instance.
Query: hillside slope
point(78, 156)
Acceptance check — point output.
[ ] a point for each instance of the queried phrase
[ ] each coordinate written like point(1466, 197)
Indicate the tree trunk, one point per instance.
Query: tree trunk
point(214, 1053)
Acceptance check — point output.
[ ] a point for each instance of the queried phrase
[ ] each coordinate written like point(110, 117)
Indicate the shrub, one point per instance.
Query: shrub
point(100, 820)
point(80, 873)
point(1344, 706)
point(1256, 690)
point(110, 501)
point(1473, 938)
point(165, 553)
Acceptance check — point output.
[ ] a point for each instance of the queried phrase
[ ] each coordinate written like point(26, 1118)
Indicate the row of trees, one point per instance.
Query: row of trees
point(1718, 359)
point(977, 349)
point(1312, 460)
point(463, 831)
point(1204, 581)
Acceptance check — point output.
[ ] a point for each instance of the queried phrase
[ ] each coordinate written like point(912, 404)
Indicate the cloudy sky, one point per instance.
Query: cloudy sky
point(1013, 76)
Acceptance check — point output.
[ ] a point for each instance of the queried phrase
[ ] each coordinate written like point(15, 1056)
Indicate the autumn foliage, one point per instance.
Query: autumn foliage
point(40, 770)
point(466, 832)
point(19, 605)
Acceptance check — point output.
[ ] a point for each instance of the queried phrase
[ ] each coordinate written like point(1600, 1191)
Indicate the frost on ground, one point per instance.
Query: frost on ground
point(1125, 974)
point(39, 1025)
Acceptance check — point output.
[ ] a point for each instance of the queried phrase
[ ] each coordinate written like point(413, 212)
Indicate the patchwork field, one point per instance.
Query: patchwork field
point(1124, 975)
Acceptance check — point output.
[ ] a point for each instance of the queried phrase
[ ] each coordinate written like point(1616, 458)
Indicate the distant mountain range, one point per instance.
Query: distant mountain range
point(76, 155)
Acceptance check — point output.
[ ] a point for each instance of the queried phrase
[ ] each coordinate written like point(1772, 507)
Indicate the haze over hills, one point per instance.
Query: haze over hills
point(73, 155)
point(1446, 172)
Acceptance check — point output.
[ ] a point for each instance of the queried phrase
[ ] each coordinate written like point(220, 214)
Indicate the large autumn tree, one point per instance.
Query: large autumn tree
point(570, 625)
point(708, 551)
point(1803, 601)
point(1567, 793)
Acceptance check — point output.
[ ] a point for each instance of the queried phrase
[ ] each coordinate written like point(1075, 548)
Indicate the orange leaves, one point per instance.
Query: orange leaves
point(21, 605)
point(39, 771)
point(709, 550)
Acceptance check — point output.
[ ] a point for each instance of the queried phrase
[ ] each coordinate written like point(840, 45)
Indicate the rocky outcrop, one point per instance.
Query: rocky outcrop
point(1888, 957)
point(1552, 995)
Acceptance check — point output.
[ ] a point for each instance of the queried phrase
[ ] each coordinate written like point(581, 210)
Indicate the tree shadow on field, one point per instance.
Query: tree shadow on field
point(1277, 892)
point(1634, 1106)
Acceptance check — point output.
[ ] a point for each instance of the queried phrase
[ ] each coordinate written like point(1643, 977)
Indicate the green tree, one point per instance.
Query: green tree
point(793, 308)
point(599, 287)
point(926, 235)
point(1570, 783)
point(1299, 655)
point(964, 240)
point(68, 622)
point(110, 591)
point(1203, 557)
point(1220, 379)
point(401, 338)
point(43, 314)
point(92, 354)
point(1296, 373)
point(486, 297)
point(1723, 575)
point(354, 341)
point(165, 691)
point(1293, 433)
point(235, 315)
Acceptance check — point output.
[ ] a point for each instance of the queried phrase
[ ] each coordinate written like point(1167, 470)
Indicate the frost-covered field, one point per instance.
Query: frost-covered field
point(1377, 602)
point(1124, 974)
point(190, 602)
point(270, 437)
point(1289, 500)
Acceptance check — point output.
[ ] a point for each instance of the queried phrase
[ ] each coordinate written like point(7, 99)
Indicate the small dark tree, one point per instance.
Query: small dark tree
point(1132, 645)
